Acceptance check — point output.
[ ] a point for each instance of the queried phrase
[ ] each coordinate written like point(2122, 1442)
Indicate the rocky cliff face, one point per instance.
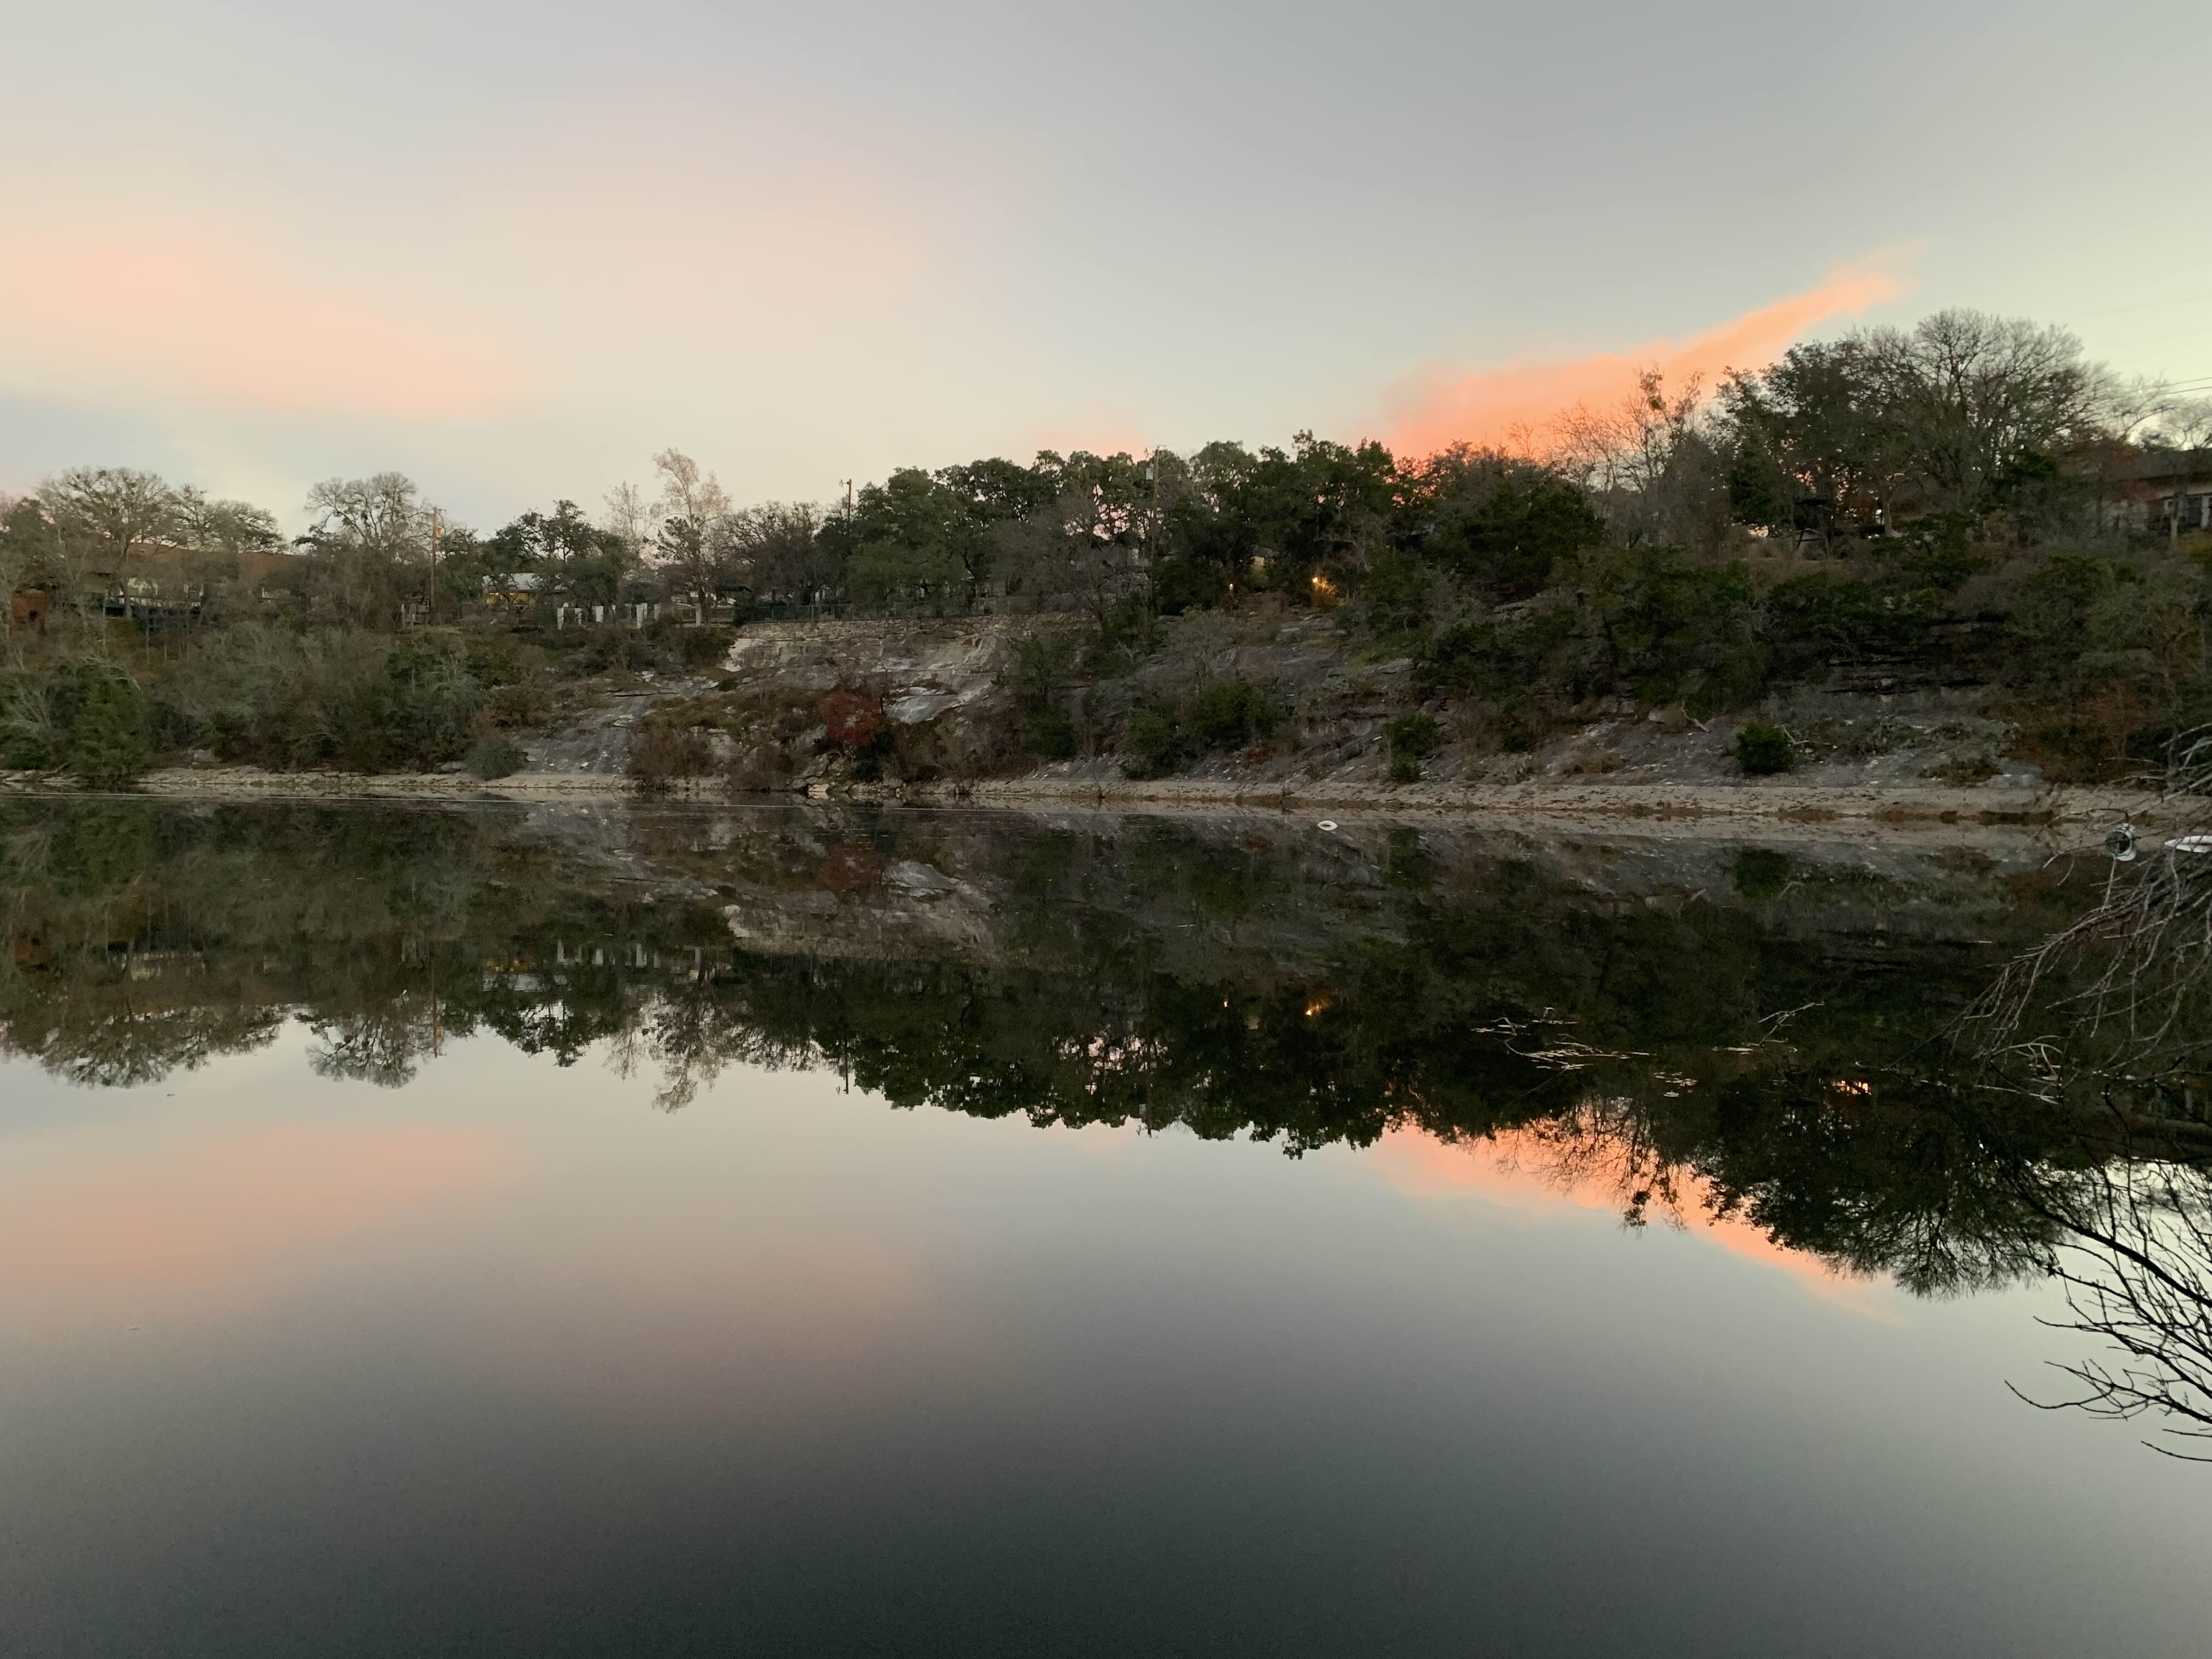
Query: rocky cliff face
point(946, 711)
point(923, 669)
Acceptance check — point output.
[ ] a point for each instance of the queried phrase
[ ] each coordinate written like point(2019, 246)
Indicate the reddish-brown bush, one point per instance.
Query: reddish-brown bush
point(853, 718)
point(851, 866)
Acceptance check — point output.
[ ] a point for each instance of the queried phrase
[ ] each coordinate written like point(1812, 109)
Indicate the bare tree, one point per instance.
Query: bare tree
point(370, 533)
point(628, 515)
point(2131, 406)
point(380, 513)
point(1972, 393)
point(2108, 1021)
point(224, 526)
point(687, 492)
point(2185, 423)
point(118, 508)
point(2136, 1266)
point(2130, 981)
point(1649, 463)
point(692, 504)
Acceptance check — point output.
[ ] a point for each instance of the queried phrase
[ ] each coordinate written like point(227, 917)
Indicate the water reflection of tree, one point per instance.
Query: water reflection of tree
point(2136, 1265)
point(2107, 1023)
point(1153, 975)
point(383, 1043)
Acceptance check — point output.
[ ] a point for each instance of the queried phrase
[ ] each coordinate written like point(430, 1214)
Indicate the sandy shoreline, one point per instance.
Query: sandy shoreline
point(250, 783)
point(1766, 801)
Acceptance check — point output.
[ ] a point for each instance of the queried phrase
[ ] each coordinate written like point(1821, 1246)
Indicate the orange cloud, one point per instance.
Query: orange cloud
point(1115, 434)
point(1522, 1171)
point(200, 1219)
point(1497, 406)
point(90, 312)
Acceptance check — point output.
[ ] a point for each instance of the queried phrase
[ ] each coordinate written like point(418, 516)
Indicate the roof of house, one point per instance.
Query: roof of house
point(2152, 466)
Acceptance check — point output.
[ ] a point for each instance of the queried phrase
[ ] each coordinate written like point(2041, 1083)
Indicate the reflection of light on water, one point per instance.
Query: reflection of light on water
point(201, 1220)
point(1552, 1171)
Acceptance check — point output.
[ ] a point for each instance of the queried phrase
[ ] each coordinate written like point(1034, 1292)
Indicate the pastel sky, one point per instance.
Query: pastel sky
point(513, 249)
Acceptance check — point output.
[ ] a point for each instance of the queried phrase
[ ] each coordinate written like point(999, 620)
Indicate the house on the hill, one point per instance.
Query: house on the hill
point(169, 578)
point(522, 589)
point(2167, 489)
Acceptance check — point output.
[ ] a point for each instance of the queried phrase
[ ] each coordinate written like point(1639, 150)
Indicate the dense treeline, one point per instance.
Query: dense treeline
point(1971, 494)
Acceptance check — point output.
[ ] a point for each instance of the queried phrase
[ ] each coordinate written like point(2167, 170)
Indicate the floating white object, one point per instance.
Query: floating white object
point(2121, 843)
point(2191, 844)
point(1326, 824)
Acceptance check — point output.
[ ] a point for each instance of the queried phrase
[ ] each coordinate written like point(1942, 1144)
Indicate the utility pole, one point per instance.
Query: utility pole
point(1152, 552)
point(433, 567)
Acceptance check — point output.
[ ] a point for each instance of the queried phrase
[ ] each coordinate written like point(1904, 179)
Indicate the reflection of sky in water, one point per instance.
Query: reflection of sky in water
point(506, 1361)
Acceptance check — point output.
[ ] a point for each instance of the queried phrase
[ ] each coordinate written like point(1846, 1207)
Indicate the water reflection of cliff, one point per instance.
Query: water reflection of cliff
point(1760, 1034)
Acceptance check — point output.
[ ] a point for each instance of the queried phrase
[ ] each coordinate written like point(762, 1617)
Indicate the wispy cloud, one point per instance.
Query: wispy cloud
point(1501, 404)
point(149, 316)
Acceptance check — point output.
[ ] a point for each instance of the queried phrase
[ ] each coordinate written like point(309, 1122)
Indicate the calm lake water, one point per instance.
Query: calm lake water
point(619, 1232)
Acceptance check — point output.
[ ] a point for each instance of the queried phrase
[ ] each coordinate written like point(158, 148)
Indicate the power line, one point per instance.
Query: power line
point(2155, 339)
point(2145, 305)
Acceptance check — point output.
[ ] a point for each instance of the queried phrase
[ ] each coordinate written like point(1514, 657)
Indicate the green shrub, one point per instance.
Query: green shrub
point(422, 713)
point(701, 647)
point(285, 699)
point(86, 717)
point(1669, 631)
point(1050, 734)
point(1938, 550)
point(1762, 750)
point(1041, 666)
point(108, 741)
point(1231, 714)
point(612, 651)
point(496, 756)
point(868, 757)
point(1153, 745)
point(1503, 658)
point(1509, 532)
point(1519, 730)
point(1417, 735)
point(1409, 739)
point(1812, 618)
point(525, 701)
point(495, 659)
point(1397, 592)
point(1965, 771)
point(28, 736)
point(1407, 863)
point(1760, 874)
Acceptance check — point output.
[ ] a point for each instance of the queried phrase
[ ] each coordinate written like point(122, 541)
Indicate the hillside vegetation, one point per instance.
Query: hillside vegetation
point(1969, 504)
